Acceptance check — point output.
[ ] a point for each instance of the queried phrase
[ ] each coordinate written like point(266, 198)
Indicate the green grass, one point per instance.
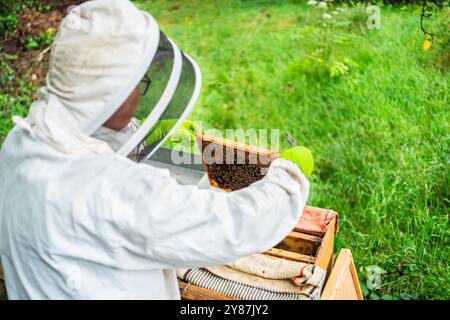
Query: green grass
point(378, 128)
point(379, 131)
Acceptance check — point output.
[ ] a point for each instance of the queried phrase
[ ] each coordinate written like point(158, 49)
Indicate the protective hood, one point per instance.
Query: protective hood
point(102, 51)
point(168, 91)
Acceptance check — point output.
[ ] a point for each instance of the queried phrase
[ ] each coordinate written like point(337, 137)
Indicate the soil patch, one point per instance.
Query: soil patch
point(31, 65)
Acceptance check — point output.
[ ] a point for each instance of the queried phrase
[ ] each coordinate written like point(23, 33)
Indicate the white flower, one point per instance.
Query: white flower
point(322, 4)
point(327, 16)
point(312, 2)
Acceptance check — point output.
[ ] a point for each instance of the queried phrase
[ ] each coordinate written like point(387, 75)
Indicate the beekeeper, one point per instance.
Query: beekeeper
point(78, 218)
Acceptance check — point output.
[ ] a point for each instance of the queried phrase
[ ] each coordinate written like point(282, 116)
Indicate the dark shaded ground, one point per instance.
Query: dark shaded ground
point(3, 295)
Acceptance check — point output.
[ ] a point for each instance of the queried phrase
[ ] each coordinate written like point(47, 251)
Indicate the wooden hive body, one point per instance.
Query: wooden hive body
point(296, 246)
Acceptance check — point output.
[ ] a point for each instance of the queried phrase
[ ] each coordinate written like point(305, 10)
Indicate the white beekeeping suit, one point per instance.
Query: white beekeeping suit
point(80, 221)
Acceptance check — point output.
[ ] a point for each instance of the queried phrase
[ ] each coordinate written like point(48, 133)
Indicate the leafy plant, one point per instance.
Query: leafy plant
point(8, 16)
point(31, 43)
point(8, 24)
point(44, 40)
point(12, 105)
point(325, 59)
point(7, 74)
point(339, 68)
point(9, 9)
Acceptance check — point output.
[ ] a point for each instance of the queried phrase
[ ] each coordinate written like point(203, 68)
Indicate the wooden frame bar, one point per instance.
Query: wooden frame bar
point(301, 243)
point(343, 282)
point(298, 257)
point(237, 145)
point(189, 291)
point(324, 257)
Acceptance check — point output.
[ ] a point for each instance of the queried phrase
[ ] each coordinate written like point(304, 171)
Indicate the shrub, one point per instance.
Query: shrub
point(9, 10)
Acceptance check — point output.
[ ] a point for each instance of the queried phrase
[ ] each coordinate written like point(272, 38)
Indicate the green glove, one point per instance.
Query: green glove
point(302, 157)
point(184, 133)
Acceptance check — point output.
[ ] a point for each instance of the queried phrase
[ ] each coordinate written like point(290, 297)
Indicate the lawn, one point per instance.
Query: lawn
point(372, 106)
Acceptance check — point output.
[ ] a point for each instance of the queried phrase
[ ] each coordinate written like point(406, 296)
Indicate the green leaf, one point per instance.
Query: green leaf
point(31, 43)
point(408, 296)
point(417, 11)
point(374, 296)
point(364, 289)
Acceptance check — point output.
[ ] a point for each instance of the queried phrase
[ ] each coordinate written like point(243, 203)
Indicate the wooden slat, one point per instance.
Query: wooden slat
point(343, 282)
point(304, 236)
point(355, 277)
point(237, 145)
point(280, 253)
point(300, 243)
point(325, 255)
point(193, 292)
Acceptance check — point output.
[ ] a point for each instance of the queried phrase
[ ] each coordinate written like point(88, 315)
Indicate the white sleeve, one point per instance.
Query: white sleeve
point(175, 226)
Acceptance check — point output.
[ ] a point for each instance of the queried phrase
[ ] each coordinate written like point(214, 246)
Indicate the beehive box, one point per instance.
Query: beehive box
point(296, 246)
